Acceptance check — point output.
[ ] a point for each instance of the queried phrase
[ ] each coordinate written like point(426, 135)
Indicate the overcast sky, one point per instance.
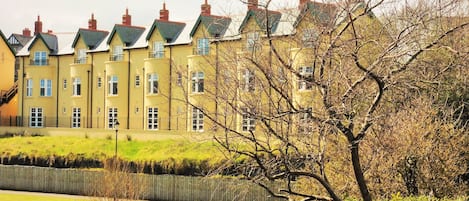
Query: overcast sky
point(69, 15)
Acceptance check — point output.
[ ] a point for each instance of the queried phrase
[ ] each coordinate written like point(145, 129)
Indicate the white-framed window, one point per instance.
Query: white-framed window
point(305, 118)
point(76, 86)
point(46, 88)
point(100, 82)
point(152, 118)
point(247, 80)
point(309, 37)
point(29, 87)
point(203, 46)
point(117, 53)
point(76, 117)
point(158, 49)
point(112, 85)
point(248, 121)
point(137, 80)
point(153, 83)
point(112, 117)
point(81, 56)
point(36, 118)
point(252, 41)
point(197, 120)
point(40, 58)
point(197, 82)
point(307, 73)
point(64, 83)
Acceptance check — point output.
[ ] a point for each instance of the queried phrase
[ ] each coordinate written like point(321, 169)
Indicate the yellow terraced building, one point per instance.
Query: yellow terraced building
point(156, 77)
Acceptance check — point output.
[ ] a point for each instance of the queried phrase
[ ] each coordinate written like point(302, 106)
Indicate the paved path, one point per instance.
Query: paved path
point(46, 194)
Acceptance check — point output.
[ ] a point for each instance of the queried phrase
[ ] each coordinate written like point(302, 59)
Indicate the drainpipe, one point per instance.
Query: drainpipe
point(88, 101)
point(143, 98)
point(22, 95)
point(170, 85)
point(128, 91)
point(104, 98)
point(217, 74)
point(57, 95)
point(91, 97)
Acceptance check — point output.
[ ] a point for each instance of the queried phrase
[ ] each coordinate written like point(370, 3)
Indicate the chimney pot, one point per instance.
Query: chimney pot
point(164, 14)
point(302, 3)
point(206, 9)
point(26, 32)
point(92, 23)
point(252, 4)
point(127, 19)
point(38, 26)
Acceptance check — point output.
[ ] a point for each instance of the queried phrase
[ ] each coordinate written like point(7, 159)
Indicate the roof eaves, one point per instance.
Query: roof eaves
point(196, 25)
point(8, 44)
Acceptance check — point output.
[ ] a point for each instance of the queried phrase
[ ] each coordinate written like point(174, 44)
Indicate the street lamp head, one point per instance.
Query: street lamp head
point(116, 124)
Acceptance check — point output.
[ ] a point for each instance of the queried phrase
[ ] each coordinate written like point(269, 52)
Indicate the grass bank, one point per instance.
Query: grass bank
point(179, 156)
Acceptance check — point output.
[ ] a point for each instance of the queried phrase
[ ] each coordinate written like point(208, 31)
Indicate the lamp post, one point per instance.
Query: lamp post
point(116, 127)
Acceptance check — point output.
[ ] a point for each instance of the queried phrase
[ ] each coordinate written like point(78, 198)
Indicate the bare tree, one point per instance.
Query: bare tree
point(315, 112)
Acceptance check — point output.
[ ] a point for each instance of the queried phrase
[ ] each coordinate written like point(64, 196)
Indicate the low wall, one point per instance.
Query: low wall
point(156, 187)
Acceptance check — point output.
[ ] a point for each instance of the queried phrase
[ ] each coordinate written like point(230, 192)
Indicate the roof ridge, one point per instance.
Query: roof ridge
point(167, 21)
point(130, 26)
point(93, 30)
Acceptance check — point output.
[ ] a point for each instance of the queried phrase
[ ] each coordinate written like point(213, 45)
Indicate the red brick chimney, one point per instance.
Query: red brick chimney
point(49, 31)
point(164, 14)
point(92, 23)
point(38, 26)
point(26, 32)
point(126, 18)
point(302, 3)
point(205, 9)
point(252, 4)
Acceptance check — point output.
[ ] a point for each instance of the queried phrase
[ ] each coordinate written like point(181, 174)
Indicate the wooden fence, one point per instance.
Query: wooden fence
point(155, 187)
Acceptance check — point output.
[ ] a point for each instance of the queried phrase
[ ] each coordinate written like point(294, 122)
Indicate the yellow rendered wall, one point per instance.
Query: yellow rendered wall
point(7, 66)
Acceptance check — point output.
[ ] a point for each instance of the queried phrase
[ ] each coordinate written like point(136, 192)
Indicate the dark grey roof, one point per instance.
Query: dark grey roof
point(49, 39)
point(261, 19)
point(128, 34)
point(92, 38)
point(168, 30)
point(324, 13)
point(23, 40)
point(215, 25)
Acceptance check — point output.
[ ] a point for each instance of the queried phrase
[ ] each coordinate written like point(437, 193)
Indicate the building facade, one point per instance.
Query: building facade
point(166, 76)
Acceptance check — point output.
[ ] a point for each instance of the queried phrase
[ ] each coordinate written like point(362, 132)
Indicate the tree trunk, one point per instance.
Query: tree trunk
point(359, 173)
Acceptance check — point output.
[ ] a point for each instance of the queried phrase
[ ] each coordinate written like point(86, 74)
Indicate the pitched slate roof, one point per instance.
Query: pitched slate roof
point(215, 25)
point(128, 34)
point(23, 40)
point(92, 38)
point(6, 42)
point(49, 39)
point(169, 30)
point(323, 12)
point(261, 20)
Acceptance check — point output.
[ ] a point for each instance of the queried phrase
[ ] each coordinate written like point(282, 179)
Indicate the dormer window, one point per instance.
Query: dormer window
point(252, 42)
point(40, 58)
point(202, 46)
point(158, 50)
point(81, 56)
point(117, 53)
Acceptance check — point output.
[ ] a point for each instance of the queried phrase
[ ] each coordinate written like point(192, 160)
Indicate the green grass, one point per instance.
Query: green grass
point(5, 196)
point(156, 150)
